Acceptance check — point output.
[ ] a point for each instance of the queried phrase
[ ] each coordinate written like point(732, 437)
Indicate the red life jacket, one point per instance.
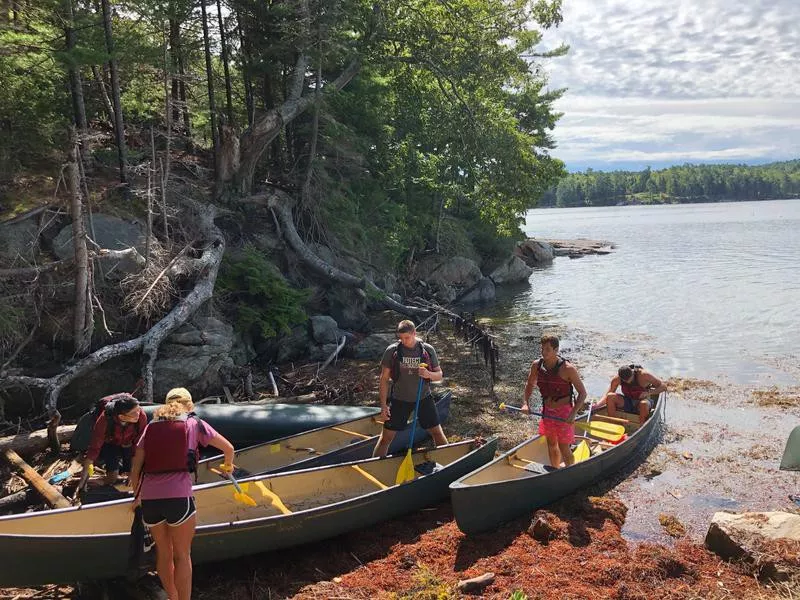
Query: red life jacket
point(550, 384)
point(633, 390)
point(166, 447)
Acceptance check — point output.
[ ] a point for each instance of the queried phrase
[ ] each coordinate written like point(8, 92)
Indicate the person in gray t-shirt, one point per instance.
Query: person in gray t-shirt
point(400, 375)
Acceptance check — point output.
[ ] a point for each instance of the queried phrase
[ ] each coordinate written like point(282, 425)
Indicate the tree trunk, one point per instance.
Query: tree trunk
point(119, 127)
point(101, 86)
point(50, 494)
point(223, 41)
point(83, 318)
point(246, 66)
point(212, 105)
point(174, 44)
point(35, 441)
point(75, 83)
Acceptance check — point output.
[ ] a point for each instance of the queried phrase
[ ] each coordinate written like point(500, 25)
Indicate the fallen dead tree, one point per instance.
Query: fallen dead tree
point(50, 494)
point(35, 441)
point(206, 266)
point(280, 203)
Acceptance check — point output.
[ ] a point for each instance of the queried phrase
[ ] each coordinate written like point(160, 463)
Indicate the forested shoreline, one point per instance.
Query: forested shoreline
point(677, 185)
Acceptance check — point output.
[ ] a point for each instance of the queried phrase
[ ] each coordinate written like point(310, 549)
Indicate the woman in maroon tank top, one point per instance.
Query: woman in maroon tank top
point(556, 379)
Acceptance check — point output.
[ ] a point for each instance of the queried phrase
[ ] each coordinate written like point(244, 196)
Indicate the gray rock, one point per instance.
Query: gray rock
point(18, 242)
point(756, 539)
point(193, 356)
point(294, 345)
point(324, 329)
point(483, 291)
point(348, 307)
point(512, 270)
point(321, 353)
point(455, 271)
point(110, 233)
point(373, 346)
point(535, 253)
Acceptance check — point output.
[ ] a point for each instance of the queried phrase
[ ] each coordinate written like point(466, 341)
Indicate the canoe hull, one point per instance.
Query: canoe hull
point(36, 560)
point(512, 498)
point(249, 424)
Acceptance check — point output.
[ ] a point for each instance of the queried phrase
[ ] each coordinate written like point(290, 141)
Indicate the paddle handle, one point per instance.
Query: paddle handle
point(416, 412)
point(229, 477)
point(538, 414)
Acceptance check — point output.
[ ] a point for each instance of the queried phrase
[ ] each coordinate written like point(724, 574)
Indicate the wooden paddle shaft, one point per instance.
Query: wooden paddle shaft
point(50, 494)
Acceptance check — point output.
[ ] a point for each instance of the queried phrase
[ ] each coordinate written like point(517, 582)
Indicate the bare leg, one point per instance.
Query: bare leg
point(164, 562)
point(382, 447)
point(566, 454)
point(437, 435)
point(644, 410)
point(181, 537)
point(554, 452)
point(614, 401)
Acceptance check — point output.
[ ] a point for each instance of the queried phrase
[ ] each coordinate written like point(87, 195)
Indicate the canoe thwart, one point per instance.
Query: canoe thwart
point(371, 477)
point(363, 436)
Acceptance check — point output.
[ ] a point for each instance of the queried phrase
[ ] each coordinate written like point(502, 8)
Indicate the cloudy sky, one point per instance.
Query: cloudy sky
point(668, 82)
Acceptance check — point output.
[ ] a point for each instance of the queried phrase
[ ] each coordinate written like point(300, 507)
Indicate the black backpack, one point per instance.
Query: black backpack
point(82, 436)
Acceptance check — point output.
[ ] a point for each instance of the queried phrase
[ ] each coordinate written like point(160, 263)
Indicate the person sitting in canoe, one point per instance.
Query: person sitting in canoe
point(557, 380)
point(639, 387)
point(401, 365)
point(166, 455)
point(119, 423)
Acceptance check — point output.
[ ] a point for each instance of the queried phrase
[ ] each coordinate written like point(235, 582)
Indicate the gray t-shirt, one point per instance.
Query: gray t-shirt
point(405, 388)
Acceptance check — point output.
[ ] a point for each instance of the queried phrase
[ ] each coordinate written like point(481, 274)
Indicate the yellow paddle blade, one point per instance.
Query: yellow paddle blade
point(582, 452)
point(406, 470)
point(244, 499)
point(274, 499)
point(602, 430)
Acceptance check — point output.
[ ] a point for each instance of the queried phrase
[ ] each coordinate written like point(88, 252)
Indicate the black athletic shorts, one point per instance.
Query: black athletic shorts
point(115, 458)
point(399, 413)
point(172, 511)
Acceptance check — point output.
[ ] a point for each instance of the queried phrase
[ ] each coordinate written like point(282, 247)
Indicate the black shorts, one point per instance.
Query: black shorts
point(400, 411)
point(172, 511)
point(115, 458)
point(632, 406)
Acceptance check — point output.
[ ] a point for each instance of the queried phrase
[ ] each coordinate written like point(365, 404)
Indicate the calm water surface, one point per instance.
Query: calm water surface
point(703, 290)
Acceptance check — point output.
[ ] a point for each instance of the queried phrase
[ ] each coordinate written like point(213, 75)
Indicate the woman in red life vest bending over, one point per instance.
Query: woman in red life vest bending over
point(638, 388)
point(166, 457)
point(555, 377)
point(119, 424)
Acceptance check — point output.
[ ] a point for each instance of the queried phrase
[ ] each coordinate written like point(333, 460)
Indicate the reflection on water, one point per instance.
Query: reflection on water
point(704, 290)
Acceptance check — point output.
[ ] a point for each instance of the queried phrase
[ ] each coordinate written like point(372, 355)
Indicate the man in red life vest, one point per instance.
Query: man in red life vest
point(557, 380)
point(639, 387)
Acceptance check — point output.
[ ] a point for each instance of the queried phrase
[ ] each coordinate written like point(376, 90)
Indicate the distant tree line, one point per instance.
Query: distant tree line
point(679, 184)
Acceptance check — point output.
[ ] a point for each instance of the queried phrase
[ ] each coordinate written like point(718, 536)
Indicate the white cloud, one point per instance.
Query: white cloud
point(678, 81)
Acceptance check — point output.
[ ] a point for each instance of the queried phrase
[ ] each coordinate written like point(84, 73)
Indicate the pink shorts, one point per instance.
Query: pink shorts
point(564, 433)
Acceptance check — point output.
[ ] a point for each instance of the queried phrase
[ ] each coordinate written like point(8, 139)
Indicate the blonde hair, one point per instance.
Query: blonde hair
point(178, 403)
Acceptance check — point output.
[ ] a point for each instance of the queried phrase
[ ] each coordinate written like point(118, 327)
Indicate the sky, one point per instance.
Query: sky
point(667, 82)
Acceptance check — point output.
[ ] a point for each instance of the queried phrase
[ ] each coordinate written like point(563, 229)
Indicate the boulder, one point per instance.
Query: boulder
point(767, 542)
point(294, 345)
point(348, 307)
point(535, 253)
point(373, 346)
point(193, 357)
point(455, 271)
point(483, 291)
point(513, 270)
point(110, 233)
point(18, 241)
point(324, 329)
point(322, 352)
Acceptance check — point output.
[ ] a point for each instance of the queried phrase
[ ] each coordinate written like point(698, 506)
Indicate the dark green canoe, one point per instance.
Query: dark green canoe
point(89, 542)
point(518, 481)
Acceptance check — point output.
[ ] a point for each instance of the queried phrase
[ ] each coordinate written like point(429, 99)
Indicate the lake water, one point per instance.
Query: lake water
point(707, 291)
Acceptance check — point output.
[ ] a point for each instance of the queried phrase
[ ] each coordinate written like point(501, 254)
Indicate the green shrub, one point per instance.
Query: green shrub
point(257, 296)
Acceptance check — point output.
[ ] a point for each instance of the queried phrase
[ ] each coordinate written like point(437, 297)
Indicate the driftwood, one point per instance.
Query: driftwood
point(303, 399)
point(35, 441)
point(25, 496)
point(50, 494)
point(206, 266)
